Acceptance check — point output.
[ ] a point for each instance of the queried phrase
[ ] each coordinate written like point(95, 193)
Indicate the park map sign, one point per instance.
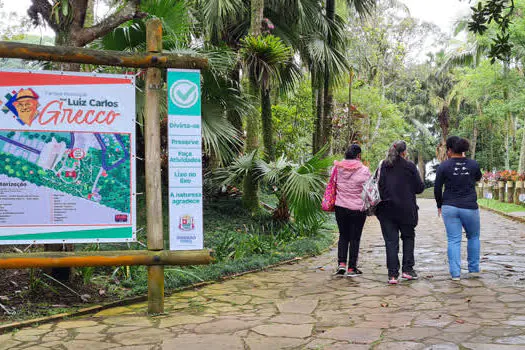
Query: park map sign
point(67, 151)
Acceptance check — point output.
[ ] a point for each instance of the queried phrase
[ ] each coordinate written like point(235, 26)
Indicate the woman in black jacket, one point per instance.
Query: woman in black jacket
point(399, 182)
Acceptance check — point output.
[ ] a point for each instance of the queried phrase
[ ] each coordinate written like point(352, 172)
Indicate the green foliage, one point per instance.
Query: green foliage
point(382, 123)
point(500, 12)
point(264, 58)
point(293, 123)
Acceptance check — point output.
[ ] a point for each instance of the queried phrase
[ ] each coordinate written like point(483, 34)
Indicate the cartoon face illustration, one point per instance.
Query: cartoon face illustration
point(26, 105)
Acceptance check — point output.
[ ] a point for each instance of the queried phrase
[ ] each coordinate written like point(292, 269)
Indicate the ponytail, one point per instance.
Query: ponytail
point(395, 152)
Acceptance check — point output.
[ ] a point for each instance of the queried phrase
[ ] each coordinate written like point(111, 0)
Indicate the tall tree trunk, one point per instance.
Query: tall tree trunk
point(508, 121)
point(319, 117)
point(475, 131)
point(328, 89)
point(349, 114)
point(521, 167)
point(327, 112)
point(232, 114)
point(267, 124)
point(317, 122)
point(250, 195)
point(507, 145)
point(474, 140)
point(257, 13)
point(421, 165)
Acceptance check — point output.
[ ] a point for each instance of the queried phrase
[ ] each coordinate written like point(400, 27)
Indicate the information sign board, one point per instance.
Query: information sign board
point(185, 159)
point(67, 157)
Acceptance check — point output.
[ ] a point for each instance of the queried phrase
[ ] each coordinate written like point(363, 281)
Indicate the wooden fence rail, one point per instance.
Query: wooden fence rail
point(106, 58)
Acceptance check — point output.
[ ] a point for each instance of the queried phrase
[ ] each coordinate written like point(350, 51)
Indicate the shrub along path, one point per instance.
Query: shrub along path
point(301, 306)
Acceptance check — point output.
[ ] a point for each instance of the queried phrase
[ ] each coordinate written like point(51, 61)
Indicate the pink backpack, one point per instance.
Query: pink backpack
point(328, 203)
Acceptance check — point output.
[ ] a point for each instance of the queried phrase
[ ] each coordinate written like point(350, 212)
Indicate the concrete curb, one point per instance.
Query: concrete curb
point(505, 215)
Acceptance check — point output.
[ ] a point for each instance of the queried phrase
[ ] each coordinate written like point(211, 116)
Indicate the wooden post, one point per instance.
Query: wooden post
point(501, 190)
point(479, 188)
point(518, 191)
point(152, 162)
point(510, 191)
point(489, 191)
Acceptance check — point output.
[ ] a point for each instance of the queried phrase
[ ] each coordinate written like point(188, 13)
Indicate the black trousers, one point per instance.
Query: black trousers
point(350, 223)
point(391, 229)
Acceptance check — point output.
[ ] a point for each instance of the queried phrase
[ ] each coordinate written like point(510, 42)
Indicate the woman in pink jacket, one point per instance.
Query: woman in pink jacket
point(349, 212)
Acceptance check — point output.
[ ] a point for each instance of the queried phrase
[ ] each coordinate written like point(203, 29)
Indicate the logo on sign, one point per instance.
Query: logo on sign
point(184, 93)
point(23, 104)
point(186, 223)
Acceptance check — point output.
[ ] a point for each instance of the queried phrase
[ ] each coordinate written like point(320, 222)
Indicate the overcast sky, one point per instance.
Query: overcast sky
point(444, 13)
point(441, 12)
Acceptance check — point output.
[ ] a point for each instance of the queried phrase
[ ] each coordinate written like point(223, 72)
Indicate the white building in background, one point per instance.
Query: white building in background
point(51, 154)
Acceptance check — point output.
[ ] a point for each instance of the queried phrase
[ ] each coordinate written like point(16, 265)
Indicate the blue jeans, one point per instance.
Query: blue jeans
point(455, 220)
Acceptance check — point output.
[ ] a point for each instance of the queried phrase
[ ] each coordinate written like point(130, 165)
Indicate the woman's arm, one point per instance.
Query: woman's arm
point(419, 184)
point(477, 173)
point(438, 187)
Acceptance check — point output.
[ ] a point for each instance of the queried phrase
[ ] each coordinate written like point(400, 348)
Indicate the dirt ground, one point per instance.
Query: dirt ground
point(32, 293)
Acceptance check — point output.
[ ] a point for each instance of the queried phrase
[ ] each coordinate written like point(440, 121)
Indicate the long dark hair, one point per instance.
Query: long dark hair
point(395, 152)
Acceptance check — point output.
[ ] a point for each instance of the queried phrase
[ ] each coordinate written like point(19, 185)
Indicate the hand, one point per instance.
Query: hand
point(439, 212)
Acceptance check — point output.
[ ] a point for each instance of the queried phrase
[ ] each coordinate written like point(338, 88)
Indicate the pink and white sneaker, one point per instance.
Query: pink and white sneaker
point(393, 280)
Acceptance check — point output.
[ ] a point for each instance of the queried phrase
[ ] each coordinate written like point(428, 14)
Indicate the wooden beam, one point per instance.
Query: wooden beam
point(104, 258)
point(105, 58)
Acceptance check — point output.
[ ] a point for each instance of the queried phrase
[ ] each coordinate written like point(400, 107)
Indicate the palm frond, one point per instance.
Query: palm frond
point(362, 7)
point(274, 172)
point(264, 56)
point(237, 170)
point(219, 15)
point(303, 192)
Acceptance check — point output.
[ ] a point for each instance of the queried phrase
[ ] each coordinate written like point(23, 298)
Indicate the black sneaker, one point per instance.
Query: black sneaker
point(341, 270)
point(354, 272)
point(411, 275)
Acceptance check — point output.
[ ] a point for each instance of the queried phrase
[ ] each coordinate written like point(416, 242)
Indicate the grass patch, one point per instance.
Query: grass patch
point(499, 206)
point(428, 193)
point(241, 242)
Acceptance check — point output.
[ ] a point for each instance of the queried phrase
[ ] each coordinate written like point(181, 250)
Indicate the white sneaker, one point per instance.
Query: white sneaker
point(474, 274)
point(455, 278)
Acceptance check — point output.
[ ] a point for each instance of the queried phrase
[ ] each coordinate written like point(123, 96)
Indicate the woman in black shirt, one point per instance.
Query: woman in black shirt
point(399, 182)
point(458, 204)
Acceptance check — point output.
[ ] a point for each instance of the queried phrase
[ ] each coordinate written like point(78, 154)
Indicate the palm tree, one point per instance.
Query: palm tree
point(298, 186)
point(265, 58)
point(219, 94)
point(330, 75)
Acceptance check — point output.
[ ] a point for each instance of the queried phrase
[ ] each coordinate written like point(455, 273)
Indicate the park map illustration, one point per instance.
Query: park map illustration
point(92, 166)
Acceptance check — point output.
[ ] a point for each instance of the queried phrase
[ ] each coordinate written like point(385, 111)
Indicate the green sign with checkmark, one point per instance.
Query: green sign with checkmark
point(185, 160)
point(184, 93)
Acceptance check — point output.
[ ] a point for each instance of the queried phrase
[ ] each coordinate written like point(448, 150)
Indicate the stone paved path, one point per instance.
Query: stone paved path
point(301, 306)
